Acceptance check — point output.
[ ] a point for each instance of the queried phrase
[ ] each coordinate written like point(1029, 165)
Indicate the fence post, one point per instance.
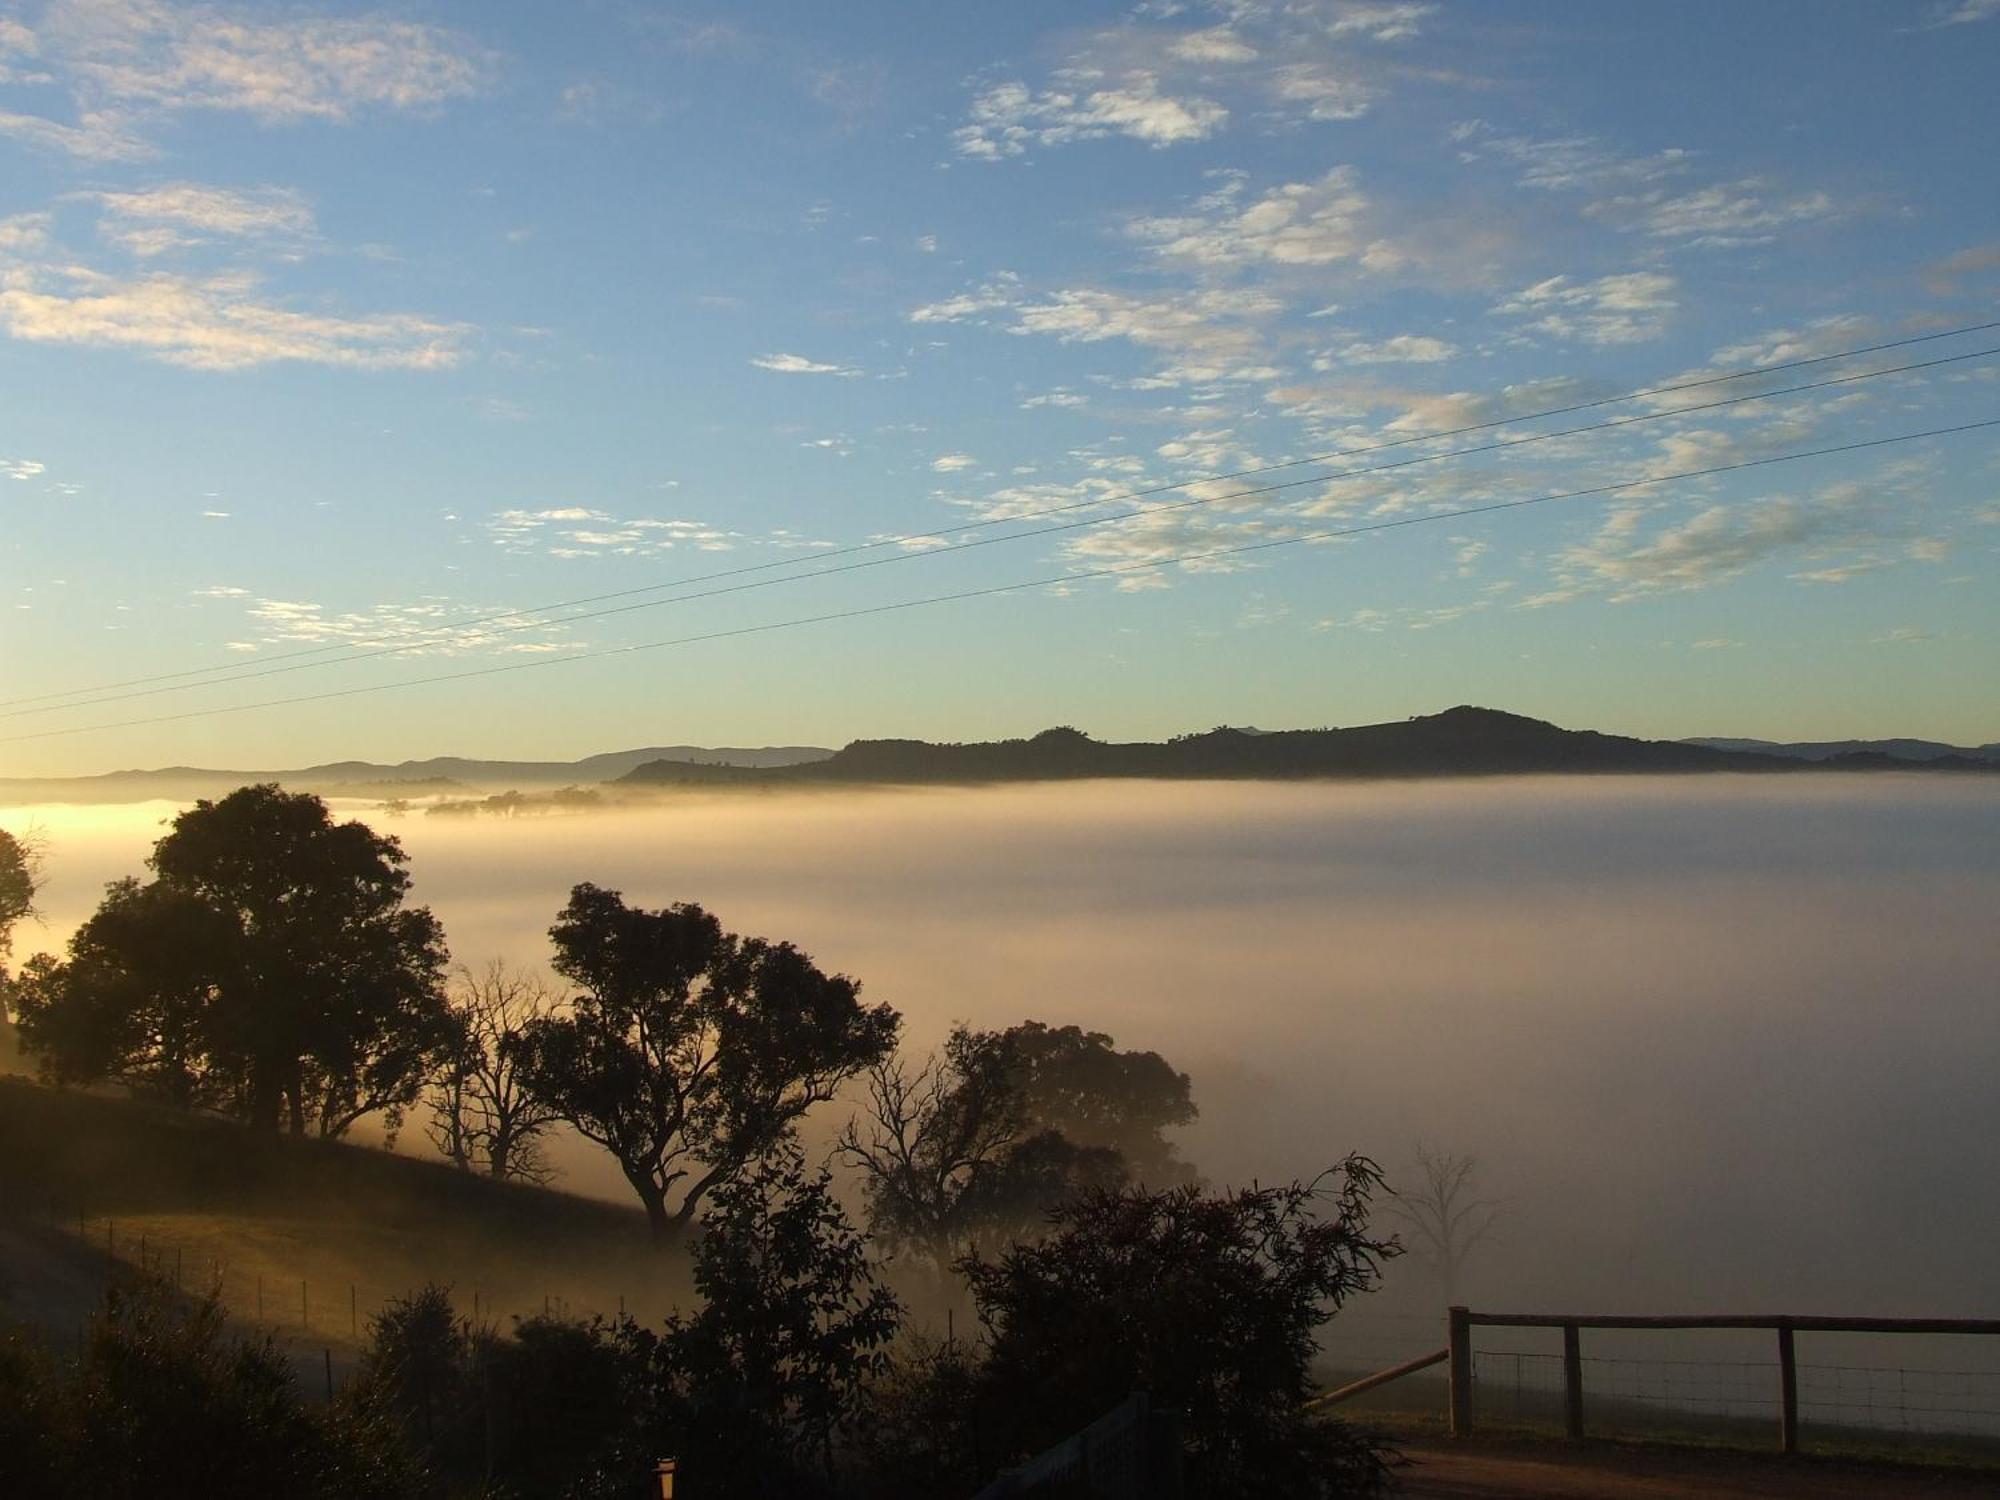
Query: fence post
point(1459, 1340)
point(1572, 1382)
point(1788, 1390)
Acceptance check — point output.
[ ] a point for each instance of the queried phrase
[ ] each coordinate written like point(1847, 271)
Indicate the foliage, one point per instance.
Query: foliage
point(917, 1434)
point(1211, 1303)
point(977, 1144)
point(1076, 1082)
point(163, 1401)
point(774, 1365)
point(269, 969)
point(20, 876)
point(482, 1114)
point(691, 1051)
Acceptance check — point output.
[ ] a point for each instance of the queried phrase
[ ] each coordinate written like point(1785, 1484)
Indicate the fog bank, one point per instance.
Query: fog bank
point(1721, 1042)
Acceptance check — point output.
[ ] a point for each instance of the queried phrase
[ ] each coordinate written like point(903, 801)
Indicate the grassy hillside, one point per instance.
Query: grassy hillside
point(307, 1237)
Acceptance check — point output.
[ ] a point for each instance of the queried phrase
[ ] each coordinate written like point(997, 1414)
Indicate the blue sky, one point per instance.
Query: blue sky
point(330, 326)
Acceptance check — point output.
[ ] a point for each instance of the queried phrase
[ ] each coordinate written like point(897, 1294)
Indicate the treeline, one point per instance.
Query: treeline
point(271, 969)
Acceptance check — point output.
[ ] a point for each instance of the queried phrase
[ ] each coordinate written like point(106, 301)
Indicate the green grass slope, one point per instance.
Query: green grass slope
point(308, 1238)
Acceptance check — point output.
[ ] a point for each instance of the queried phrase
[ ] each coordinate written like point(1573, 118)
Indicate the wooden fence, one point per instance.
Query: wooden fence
point(1458, 1353)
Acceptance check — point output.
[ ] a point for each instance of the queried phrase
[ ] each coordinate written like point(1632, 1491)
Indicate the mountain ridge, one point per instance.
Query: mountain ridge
point(1461, 741)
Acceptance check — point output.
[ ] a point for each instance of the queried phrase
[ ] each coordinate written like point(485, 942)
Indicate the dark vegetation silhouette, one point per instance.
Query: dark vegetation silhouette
point(975, 1145)
point(689, 1051)
point(269, 986)
point(20, 877)
point(484, 1117)
point(164, 1399)
point(1463, 741)
point(1210, 1302)
point(270, 969)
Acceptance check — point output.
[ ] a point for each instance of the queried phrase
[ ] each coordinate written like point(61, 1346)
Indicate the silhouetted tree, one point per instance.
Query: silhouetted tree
point(690, 1051)
point(1077, 1082)
point(20, 876)
point(312, 993)
point(139, 1001)
point(1445, 1216)
point(1210, 1302)
point(775, 1364)
point(556, 1407)
point(949, 1157)
point(482, 1113)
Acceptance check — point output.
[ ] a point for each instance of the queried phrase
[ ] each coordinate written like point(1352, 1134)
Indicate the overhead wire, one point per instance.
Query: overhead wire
point(281, 668)
point(988, 591)
point(366, 649)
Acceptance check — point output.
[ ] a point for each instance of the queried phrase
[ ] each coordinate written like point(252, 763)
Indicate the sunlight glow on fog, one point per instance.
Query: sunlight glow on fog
point(1721, 1041)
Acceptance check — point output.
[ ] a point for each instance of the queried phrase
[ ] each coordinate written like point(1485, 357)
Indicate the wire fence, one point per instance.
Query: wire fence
point(1629, 1392)
point(322, 1322)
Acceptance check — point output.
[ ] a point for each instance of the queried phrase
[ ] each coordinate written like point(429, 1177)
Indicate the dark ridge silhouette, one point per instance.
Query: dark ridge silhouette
point(1896, 749)
point(1463, 741)
point(443, 775)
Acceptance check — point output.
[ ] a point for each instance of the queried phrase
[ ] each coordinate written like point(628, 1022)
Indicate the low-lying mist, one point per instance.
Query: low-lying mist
point(1720, 1043)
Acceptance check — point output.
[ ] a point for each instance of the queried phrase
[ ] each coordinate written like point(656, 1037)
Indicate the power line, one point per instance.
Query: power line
point(250, 673)
point(240, 670)
point(1109, 571)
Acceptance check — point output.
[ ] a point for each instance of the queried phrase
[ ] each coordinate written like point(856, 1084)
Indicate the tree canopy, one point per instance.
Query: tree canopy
point(950, 1157)
point(269, 969)
point(19, 878)
point(1210, 1302)
point(1077, 1082)
point(690, 1051)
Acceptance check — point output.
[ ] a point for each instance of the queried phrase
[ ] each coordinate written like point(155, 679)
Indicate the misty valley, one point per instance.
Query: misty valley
point(1719, 1042)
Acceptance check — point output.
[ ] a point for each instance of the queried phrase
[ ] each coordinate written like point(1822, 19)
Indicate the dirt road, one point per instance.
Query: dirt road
point(1608, 1472)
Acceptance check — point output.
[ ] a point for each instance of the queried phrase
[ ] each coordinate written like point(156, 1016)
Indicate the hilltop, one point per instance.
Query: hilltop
point(1463, 741)
point(438, 776)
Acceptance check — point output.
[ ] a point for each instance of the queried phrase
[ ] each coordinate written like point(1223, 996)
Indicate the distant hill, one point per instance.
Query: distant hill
point(1462, 741)
point(1920, 750)
point(442, 775)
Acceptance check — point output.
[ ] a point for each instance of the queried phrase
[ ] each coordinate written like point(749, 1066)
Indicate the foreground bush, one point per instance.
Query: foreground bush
point(165, 1402)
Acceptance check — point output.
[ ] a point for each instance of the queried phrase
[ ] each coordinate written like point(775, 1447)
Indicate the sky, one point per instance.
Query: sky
point(330, 333)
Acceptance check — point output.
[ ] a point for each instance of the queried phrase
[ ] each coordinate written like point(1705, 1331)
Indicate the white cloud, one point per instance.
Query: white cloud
point(1377, 22)
point(1401, 349)
point(1723, 216)
point(178, 214)
point(1564, 163)
point(1299, 224)
point(1207, 335)
point(1216, 44)
point(1842, 527)
point(99, 136)
point(951, 463)
point(1323, 90)
point(212, 323)
point(24, 234)
point(151, 54)
point(798, 364)
point(1623, 309)
point(1963, 12)
point(21, 468)
point(1003, 290)
point(1009, 118)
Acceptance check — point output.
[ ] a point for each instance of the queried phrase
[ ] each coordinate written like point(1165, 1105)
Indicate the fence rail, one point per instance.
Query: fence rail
point(1460, 1358)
